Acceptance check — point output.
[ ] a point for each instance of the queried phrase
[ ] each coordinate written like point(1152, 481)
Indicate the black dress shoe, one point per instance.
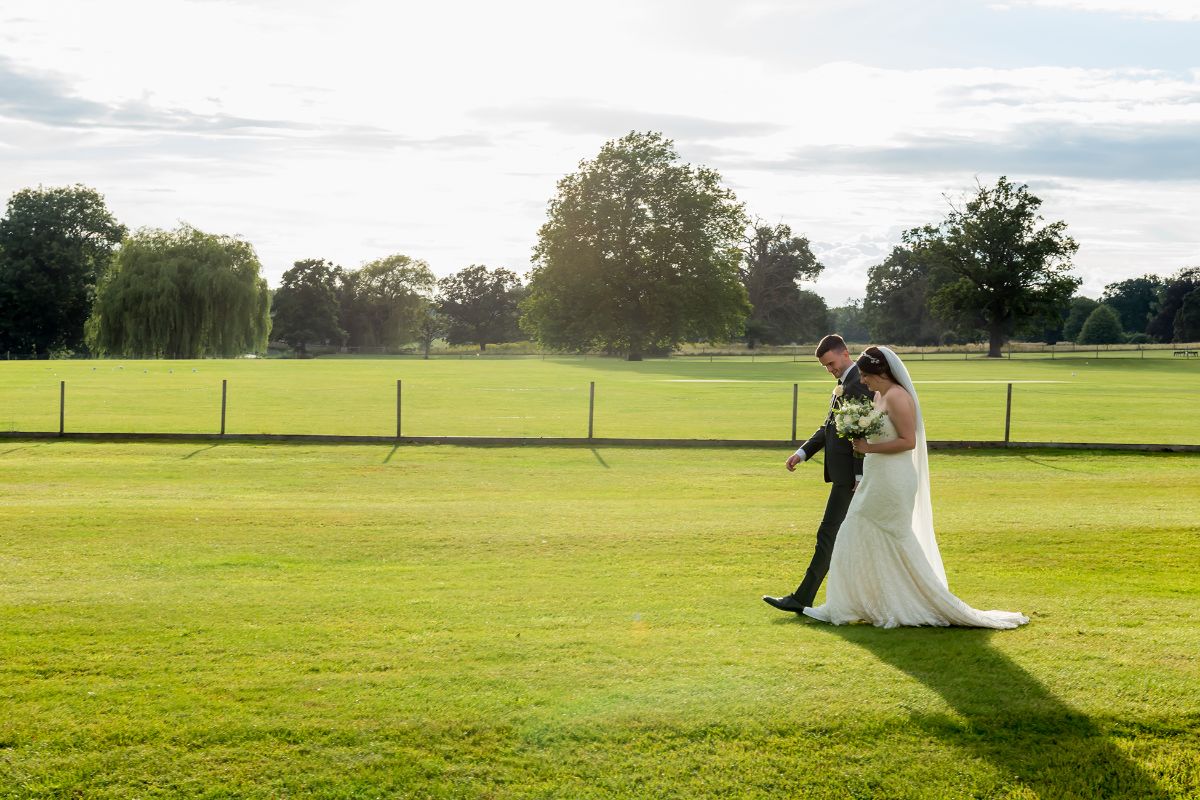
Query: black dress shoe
point(786, 603)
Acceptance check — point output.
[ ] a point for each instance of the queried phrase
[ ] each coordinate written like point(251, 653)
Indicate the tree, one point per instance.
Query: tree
point(1002, 267)
point(774, 262)
point(814, 317)
point(182, 294)
point(897, 303)
point(305, 306)
point(381, 303)
point(431, 325)
point(1170, 301)
point(1187, 320)
point(639, 252)
point(481, 306)
point(56, 246)
point(1079, 309)
point(1103, 326)
point(850, 322)
point(1135, 300)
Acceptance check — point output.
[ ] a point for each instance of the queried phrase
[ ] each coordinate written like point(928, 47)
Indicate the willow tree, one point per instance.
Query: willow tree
point(639, 253)
point(182, 294)
point(382, 303)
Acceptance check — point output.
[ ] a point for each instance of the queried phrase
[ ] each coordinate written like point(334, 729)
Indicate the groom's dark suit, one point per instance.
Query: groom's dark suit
point(842, 470)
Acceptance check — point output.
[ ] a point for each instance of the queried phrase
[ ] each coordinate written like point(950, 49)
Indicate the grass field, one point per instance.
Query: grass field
point(292, 621)
point(1084, 399)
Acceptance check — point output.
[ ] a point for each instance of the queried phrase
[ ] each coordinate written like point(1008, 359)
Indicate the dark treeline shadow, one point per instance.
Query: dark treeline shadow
point(1008, 717)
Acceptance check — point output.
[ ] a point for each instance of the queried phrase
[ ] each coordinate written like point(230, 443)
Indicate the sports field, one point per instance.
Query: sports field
point(231, 620)
point(1078, 399)
point(237, 620)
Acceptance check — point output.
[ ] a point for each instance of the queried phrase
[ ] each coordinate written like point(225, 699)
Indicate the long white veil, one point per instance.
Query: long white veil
point(922, 520)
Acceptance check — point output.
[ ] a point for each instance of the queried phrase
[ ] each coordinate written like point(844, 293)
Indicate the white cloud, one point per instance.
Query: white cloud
point(1174, 10)
point(356, 129)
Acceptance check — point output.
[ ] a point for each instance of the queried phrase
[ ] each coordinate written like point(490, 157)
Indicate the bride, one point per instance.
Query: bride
point(886, 568)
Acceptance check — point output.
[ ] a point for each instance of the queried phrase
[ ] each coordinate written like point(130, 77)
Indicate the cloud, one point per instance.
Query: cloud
point(575, 117)
point(46, 100)
point(1158, 153)
point(1170, 10)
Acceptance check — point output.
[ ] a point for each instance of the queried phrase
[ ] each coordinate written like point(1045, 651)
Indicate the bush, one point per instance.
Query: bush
point(1103, 326)
point(1139, 338)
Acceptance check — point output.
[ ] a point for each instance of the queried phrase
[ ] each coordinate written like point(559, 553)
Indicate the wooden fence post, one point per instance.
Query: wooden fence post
point(62, 407)
point(398, 407)
point(1008, 414)
point(591, 406)
point(795, 403)
point(224, 395)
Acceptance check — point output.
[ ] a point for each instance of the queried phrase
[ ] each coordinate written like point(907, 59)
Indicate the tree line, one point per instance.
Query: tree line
point(639, 254)
point(74, 280)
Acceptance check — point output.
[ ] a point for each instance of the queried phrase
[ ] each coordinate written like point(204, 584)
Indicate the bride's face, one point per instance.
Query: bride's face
point(876, 383)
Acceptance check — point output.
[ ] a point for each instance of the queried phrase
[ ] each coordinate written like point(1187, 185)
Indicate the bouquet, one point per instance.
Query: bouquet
point(857, 418)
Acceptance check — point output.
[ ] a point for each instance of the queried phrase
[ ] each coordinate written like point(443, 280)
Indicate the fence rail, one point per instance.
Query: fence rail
point(555, 441)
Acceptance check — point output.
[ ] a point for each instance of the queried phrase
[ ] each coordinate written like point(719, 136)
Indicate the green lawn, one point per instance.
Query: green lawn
point(1110, 399)
point(284, 621)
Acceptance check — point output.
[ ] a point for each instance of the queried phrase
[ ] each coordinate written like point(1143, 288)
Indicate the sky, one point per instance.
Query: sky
point(356, 130)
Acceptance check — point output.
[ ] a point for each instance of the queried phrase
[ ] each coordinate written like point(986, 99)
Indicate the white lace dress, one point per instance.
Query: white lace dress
point(879, 572)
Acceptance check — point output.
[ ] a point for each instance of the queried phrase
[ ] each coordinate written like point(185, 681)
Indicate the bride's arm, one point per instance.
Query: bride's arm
point(904, 418)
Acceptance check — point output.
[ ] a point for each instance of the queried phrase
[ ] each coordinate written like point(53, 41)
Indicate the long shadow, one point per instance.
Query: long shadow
point(600, 458)
point(198, 452)
point(1011, 719)
point(391, 453)
point(1048, 465)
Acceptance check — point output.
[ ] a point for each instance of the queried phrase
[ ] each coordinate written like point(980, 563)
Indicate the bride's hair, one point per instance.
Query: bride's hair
point(874, 362)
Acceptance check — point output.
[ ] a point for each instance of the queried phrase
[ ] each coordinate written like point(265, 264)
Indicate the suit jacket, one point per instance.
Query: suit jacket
point(841, 465)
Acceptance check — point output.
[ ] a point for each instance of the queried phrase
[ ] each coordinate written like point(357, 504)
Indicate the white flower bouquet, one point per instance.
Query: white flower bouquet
point(857, 418)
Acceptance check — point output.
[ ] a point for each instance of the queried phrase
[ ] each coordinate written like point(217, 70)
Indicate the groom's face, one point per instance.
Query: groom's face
point(835, 362)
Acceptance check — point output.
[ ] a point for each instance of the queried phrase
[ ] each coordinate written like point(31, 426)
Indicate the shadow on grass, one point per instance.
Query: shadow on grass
point(600, 458)
point(1005, 715)
point(198, 452)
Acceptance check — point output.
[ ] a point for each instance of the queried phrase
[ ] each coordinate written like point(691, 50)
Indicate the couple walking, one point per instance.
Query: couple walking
point(876, 540)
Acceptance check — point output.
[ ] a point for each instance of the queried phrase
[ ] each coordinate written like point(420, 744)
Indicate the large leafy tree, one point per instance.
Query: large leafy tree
point(1078, 311)
point(1170, 301)
point(56, 246)
point(1187, 320)
point(897, 303)
point(639, 253)
point(774, 263)
point(1135, 300)
point(1103, 326)
point(1003, 266)
point(431, 325)
point(381, 303)
point(304, 308)
point(481, 306)
point(182, 294)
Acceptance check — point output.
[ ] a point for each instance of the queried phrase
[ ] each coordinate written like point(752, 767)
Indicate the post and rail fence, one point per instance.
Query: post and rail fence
point(591, 439)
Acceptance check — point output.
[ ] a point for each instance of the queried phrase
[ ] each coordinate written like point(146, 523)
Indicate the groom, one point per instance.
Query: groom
point(842, 469)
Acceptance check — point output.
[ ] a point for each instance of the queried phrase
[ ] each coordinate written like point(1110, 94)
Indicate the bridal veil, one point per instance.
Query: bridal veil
point(922, 522)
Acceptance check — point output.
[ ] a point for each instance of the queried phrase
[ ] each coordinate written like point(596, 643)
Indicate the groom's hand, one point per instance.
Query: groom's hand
point(795, 459)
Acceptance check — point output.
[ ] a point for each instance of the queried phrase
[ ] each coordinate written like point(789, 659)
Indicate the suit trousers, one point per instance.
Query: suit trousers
point(840, 495)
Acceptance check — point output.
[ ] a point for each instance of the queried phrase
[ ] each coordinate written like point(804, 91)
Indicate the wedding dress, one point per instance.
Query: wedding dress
point(886, 568)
